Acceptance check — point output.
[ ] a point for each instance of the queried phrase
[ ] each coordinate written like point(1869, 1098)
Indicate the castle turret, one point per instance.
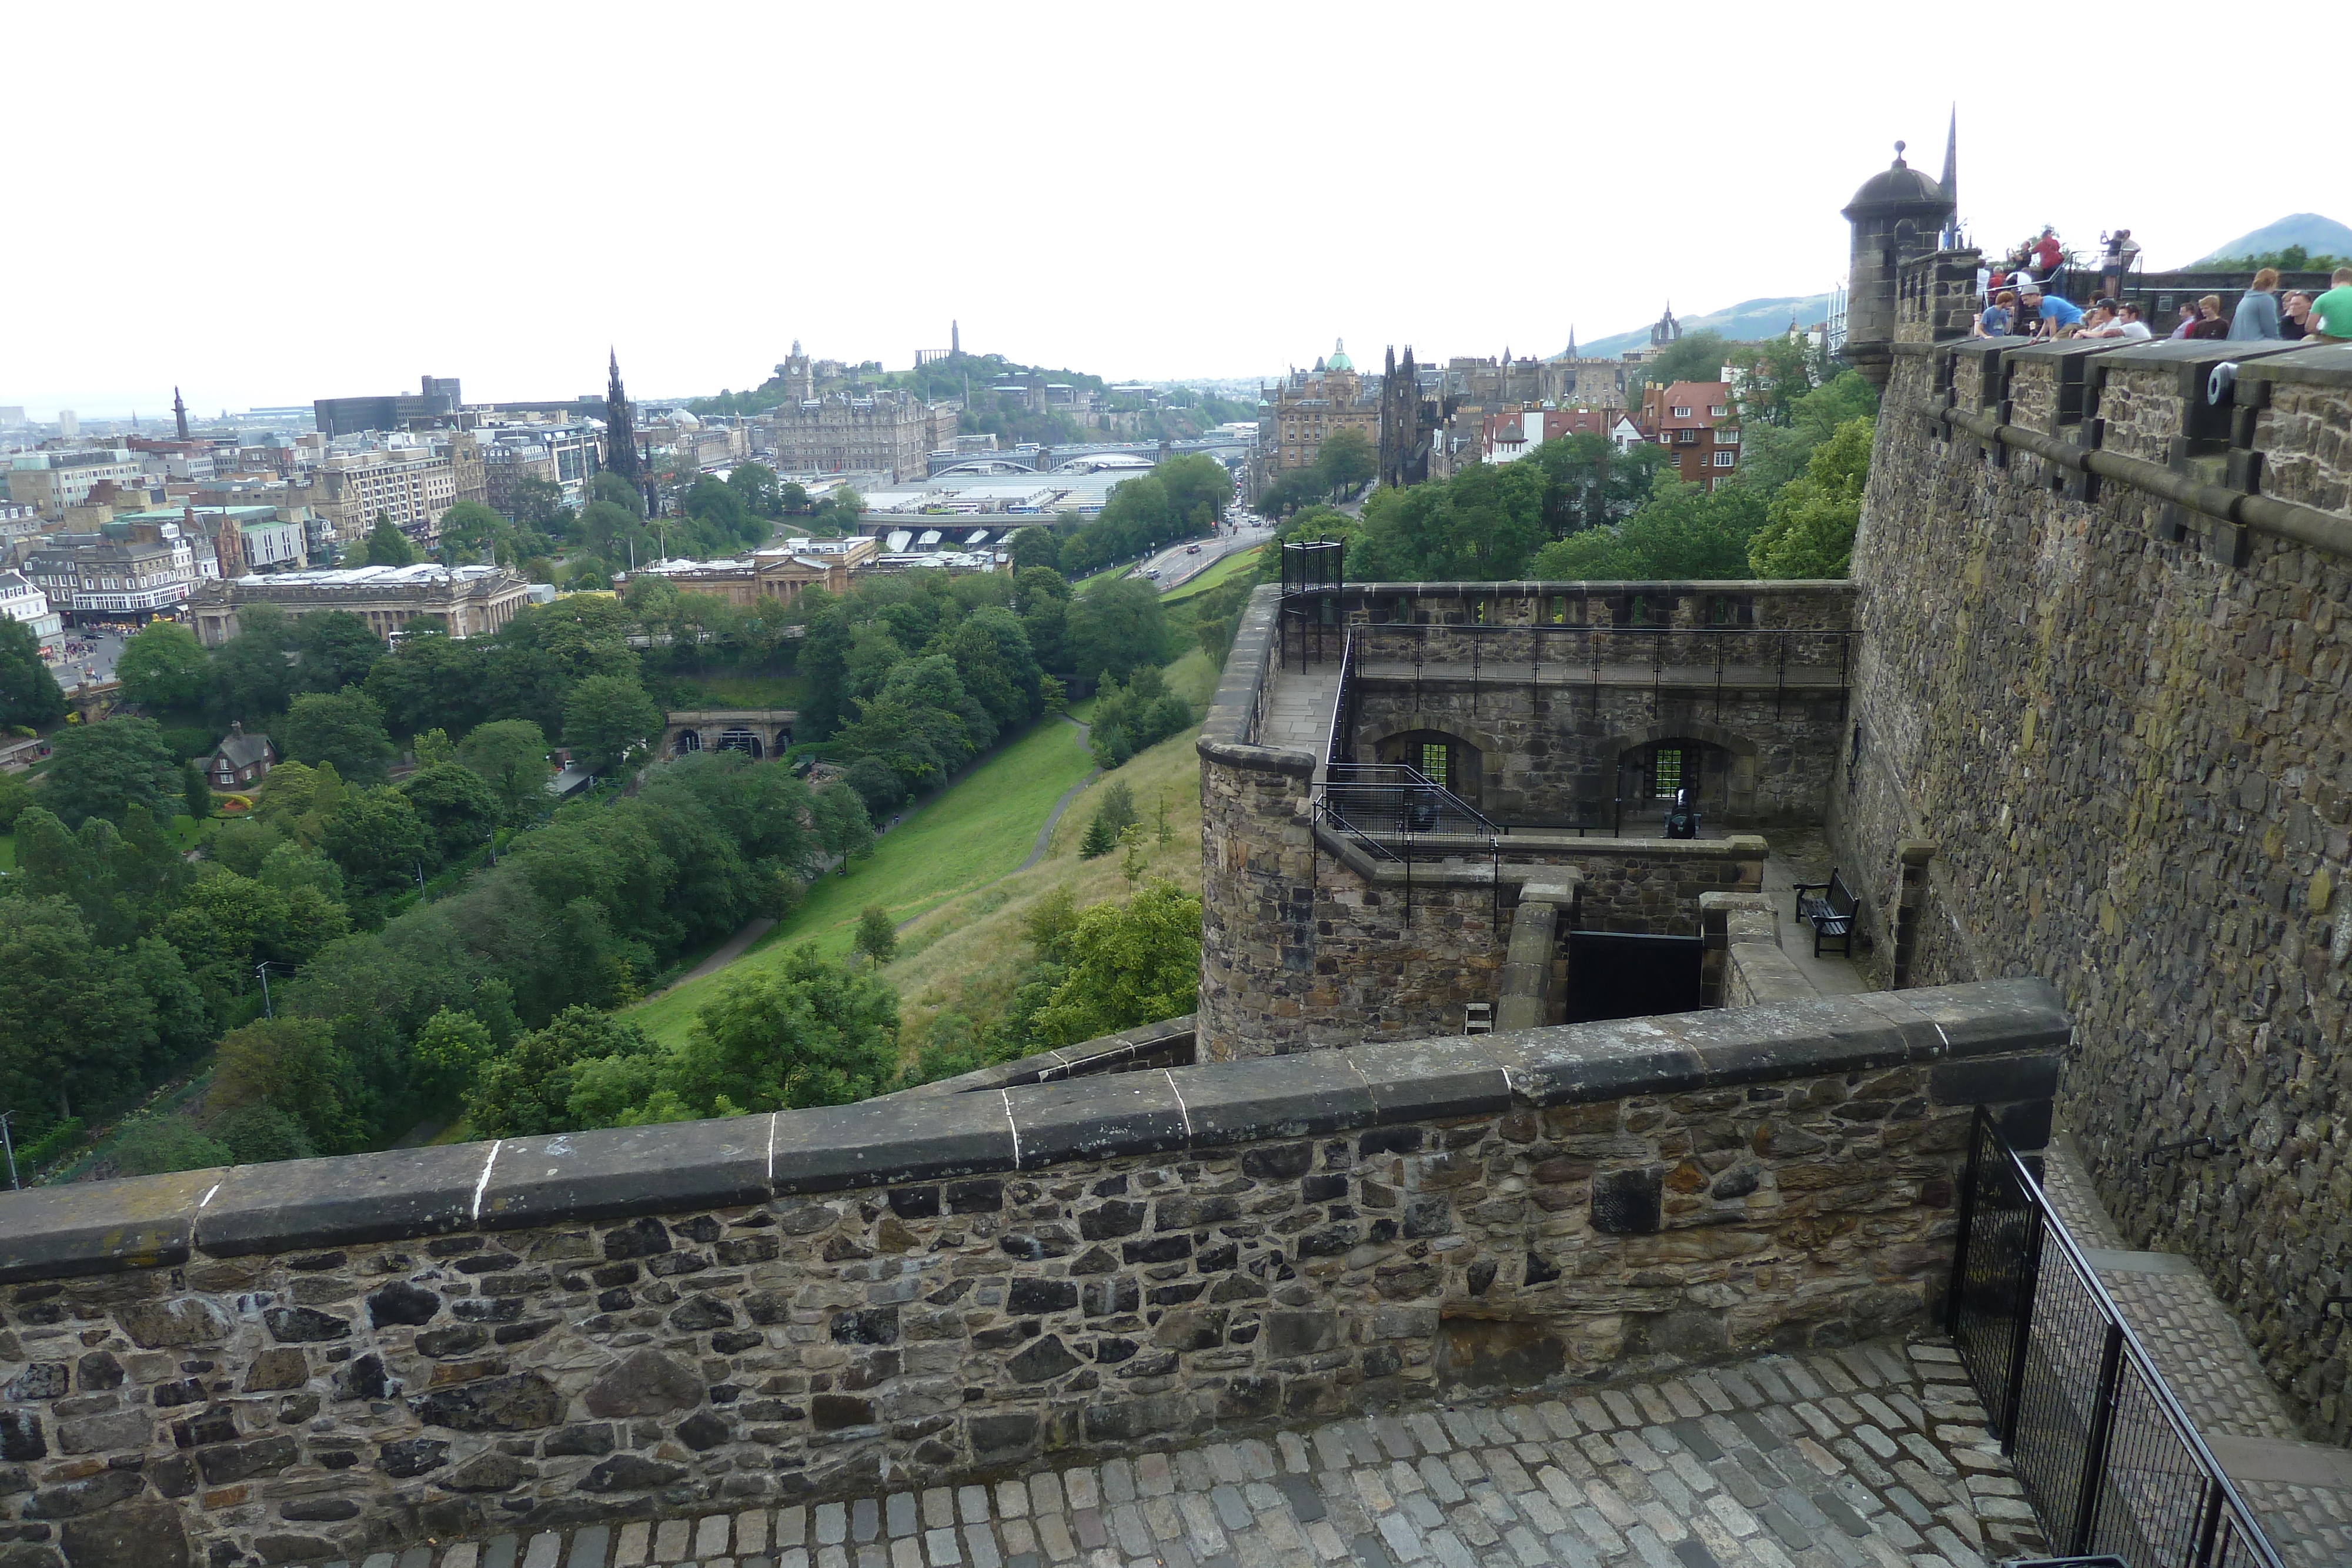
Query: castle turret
point(1897, 216)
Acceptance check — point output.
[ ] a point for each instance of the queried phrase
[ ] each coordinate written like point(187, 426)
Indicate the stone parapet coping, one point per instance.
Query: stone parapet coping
point(1999, 1041)
point(1229, 733)
point(1103, 1055)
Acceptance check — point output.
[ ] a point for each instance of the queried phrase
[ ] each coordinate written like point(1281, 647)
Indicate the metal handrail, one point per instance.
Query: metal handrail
point(1341, 726)
point(2223, 1496)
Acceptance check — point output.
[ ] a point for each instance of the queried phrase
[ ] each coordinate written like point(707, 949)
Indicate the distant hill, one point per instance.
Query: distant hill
point(1743, 322)
point(2316, 235)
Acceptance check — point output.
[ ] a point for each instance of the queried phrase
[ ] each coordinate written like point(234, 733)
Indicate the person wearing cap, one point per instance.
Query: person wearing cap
point(2059, 316)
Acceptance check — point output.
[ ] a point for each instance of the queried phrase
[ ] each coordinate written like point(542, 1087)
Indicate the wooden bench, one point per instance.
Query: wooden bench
point(1831, 915)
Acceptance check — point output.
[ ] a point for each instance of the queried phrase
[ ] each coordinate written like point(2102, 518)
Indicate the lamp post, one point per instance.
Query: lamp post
point(9, 1143)
point(262, 969)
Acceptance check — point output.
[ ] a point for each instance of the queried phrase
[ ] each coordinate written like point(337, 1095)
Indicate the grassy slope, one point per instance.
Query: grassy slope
point(8, 851)
point(1239, 561)
point(745, 691)
point(967, 954)
point(977, 831)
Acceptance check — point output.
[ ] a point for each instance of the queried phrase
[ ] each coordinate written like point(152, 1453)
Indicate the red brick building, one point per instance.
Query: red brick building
point(1695, 421)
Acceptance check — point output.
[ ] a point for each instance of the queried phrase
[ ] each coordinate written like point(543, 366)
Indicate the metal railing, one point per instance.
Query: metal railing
point(2107, 1455)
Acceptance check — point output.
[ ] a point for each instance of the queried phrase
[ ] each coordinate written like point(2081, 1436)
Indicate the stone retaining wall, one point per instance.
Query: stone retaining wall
point(324, 1358)
point(2122, 725)
point(1552, 754)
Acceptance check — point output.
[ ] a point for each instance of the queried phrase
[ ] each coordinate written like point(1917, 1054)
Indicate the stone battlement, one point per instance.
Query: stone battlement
point(2100, 693)
point(317, 1359)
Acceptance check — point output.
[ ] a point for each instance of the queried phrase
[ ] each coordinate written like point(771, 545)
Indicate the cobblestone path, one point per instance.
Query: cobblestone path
point(2302, 1491)
point(1874, 1457)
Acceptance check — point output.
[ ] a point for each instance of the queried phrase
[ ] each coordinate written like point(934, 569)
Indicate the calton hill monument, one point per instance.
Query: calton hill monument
point(1495, 1091)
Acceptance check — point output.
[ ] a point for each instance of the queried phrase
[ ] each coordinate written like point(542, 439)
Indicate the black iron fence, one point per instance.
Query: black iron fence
point(2110, 1461)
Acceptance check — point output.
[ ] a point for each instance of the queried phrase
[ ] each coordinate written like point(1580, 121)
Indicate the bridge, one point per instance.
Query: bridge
point(763, 732)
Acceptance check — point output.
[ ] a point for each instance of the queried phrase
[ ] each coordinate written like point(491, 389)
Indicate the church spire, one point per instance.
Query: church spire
point(179, 414)
point(1952, 160)
point(620, 427)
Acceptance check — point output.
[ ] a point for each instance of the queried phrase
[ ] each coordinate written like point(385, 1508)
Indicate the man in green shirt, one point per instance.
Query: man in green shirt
point(2331, 313)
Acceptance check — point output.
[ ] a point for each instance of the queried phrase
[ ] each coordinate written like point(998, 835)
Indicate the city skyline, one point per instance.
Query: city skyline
point(1026, 180)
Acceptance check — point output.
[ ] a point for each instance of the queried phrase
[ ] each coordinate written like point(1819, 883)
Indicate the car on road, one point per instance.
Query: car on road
point(1153, 574)
point(1191, 550)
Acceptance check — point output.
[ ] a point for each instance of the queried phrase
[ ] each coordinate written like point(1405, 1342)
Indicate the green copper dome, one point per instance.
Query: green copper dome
point(1338, 359)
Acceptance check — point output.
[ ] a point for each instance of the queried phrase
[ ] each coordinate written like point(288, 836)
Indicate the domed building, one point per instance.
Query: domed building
point(1307, 407)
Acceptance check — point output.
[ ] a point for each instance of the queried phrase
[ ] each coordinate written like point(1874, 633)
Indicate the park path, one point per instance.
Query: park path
point(1044, 834)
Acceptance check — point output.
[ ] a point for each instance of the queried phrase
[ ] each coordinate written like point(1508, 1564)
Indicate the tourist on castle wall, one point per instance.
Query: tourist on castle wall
point(2209, 323)
point(2295, 317)
point(2058, 315)
point(2188, 319)
point(2111, 319)
point(2258, 313)
point(1993, 321)
point(2331, 313)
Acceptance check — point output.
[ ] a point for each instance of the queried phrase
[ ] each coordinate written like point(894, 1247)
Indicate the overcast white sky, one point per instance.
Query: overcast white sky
point(302, 201)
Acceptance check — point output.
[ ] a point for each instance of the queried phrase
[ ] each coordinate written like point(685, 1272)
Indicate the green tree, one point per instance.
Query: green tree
point(153, 1145)
point(755, 485)
point(457, 805)
point(471, 531)
point(104, 769)
point(15, 796)
point(538, 505)
point(1115, 627)
point(844, 826)
point(334, 649)
point(448, 1053)
point(802, 1032)
point(378, 839)
point(1099, 840)
point(194, 792)
point(1771, 455)
point(526, 1089)
point(1681, 532)
point(294, 1065)
point(387, 546)
point(614, 491)
point(1694, 357)
point(1198, 488)
point(1036, 547)
point(251, 676)
point(1775, 376)
point(1345, 460)
point(510, 756)
point(433, 681)
point(607, 719)
point(344, 728)
point(793, 498)
point(164, 666)
point(1129, 964)
point(260, 1134)
point(1809, 532)
point(29, 694)
point(878, 936)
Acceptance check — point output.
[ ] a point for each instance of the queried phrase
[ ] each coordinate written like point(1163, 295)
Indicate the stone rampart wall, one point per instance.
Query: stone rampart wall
point(2123, 723)
point(1552, 754)
point(326, 1358)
